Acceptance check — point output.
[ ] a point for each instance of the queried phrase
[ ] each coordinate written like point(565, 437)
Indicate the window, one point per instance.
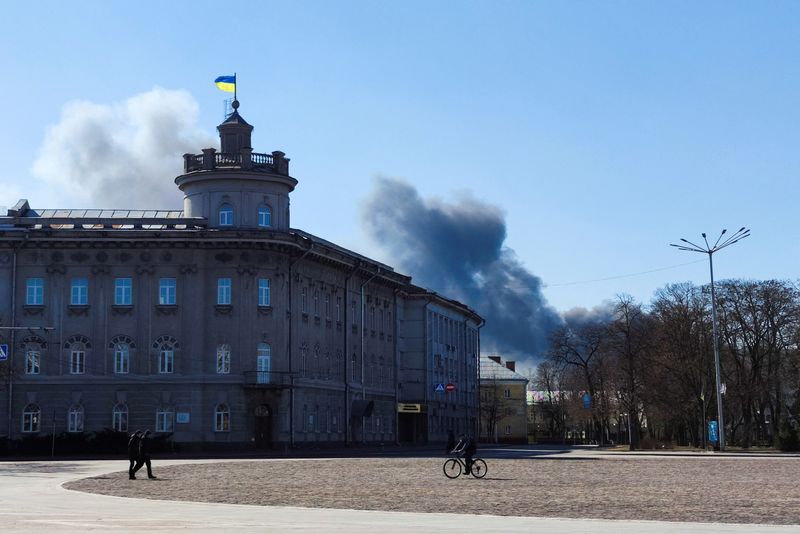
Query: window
point(226, 215)
point(354, 367)
point(263, 356)
point(223, 359)
point(338, 309)
point(303, 359)
point(263, 292)
point(224, 291)
point(79, 292)
point(507, 393)
point(166, 347)
point(33, 360)
point(123, 292)
point(303, 300)
point(264, 217)
point(77, 361)
point(122, 358)
point(119, 418)
point(222, 418)
point(75, 419)
point(327, 306)
point(508, 429)
point(167, 292)
point(316, 303)
point(165, 420)
point(34, 292)
point(31, 418)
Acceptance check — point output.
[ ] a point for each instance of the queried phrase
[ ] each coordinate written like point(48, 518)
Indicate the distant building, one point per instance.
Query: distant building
point(219, 324)
point(503, 402)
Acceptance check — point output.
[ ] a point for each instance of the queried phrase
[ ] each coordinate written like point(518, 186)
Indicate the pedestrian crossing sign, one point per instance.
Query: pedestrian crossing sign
point(439, 388)
point(3, 353)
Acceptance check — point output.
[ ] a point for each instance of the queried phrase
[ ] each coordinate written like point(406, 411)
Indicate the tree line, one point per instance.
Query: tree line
point(645, 375)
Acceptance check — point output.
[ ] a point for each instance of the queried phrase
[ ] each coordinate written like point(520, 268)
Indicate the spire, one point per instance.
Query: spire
point(234, 132)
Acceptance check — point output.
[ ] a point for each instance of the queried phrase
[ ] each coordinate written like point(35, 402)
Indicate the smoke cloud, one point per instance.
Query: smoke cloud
point(123, 155)
point(457, 249)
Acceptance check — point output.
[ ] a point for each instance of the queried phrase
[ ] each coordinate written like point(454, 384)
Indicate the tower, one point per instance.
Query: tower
point(236, 187)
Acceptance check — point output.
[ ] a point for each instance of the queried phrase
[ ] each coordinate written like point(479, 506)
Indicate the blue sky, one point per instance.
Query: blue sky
point(603, 131)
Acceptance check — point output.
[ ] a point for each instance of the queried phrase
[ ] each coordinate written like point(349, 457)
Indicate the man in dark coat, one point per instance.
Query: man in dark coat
point(144, 455)
point(133, 452)
point(466, 446)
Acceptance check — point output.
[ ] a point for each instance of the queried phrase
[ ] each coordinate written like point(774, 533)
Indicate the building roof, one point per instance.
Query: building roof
point(490, 369)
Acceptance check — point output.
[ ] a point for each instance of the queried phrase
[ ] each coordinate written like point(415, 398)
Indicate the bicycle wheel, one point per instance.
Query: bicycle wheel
point(452, 468)
point(478, 469)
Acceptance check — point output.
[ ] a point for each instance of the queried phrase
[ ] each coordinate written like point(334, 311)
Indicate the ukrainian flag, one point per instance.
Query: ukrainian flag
point(226, 83)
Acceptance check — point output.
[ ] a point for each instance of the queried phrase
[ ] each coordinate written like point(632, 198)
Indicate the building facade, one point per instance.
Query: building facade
point(219, 324)
point(503, 402)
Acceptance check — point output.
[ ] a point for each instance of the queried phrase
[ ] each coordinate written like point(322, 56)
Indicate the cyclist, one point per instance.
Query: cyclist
point(466, 447)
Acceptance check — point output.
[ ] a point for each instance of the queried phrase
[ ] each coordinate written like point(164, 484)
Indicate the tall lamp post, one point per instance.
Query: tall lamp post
point(740, 234)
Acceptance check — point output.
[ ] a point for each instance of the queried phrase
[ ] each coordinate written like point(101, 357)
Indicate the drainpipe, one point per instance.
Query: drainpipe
point(13, 337)
point(481, 325)
point(363, 329)
point(396, 359)
point(291, 351)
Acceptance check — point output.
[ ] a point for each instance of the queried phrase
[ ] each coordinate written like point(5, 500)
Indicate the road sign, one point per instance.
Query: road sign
point(439, 388)
point(3, 352)
point(587, 400)
point(713, 434)
point(450, 387)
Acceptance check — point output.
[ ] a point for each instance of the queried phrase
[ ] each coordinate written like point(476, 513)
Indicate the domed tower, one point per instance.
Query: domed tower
point(236, 187)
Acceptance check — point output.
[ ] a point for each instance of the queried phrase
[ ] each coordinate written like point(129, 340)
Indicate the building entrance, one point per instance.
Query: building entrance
point(263, 427)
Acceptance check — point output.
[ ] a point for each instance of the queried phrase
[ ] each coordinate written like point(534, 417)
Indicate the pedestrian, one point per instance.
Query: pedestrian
point(144, 455)
point(133, 452)
point(451, 442)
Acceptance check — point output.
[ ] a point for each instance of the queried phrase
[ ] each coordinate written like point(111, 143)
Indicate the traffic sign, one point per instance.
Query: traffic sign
point(439, 388)
point(713, 434)
point(450, 387)
point(3, 352)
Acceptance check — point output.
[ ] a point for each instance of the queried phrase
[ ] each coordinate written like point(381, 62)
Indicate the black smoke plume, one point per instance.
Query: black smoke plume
point(457, 249)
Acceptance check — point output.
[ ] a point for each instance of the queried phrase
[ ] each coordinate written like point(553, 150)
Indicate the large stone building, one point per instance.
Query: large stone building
point(220, 324)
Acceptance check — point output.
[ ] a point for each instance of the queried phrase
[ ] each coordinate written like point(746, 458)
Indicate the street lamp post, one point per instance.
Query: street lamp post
point(740, 234)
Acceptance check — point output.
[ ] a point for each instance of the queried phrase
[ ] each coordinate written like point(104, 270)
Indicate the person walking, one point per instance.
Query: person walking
point(133, 452)
point(144, 455)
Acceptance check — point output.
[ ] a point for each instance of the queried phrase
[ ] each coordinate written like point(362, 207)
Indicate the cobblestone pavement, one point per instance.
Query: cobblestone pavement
point(625, 487)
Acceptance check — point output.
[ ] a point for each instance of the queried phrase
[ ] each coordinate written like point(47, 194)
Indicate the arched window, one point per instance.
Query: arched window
point(226, 215)
point(263, 357)
point(264, 217)
point(33, 347)
point(31, 418)
point(75, 418)
point(119, 417)
point(121, 348)
point(77, 346)
point(222, 418)
point(166, 347)
point(223, 359)
point(165, 419)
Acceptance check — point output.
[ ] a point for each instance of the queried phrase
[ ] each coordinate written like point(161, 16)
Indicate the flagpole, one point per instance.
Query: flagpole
point(234, 86)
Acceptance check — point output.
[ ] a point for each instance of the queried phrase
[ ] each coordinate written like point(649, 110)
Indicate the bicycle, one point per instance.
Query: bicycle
point(453, 467)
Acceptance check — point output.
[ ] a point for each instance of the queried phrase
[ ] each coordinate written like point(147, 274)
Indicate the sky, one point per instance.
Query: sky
point(599, 132)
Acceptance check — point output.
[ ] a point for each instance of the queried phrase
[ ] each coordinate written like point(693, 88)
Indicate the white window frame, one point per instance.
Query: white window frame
point(122, 358)
point(264, 217)
point(34, 292)
point(119, 417)
point(123, 292)
point(263, 292)
point(33, 361)
point(31, 419)
point(508, 430)
point(165, 420)
point(166, 360)
point(224, 291)
point(263, 363)
point(222, 418)
point(167, 291)
point(75, 419)
point(77, 361)
point(226, 215)
point(507, 393)
point(223, 359)
point(79, 292)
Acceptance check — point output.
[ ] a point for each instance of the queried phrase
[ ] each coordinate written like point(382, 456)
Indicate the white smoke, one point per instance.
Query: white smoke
point(122, 155)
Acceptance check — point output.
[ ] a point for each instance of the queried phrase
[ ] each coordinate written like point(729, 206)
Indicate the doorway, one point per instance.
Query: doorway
point(263, 427)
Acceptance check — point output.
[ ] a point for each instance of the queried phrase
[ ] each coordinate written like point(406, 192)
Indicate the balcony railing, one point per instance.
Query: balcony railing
point(210, 160)
point(267, 379)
